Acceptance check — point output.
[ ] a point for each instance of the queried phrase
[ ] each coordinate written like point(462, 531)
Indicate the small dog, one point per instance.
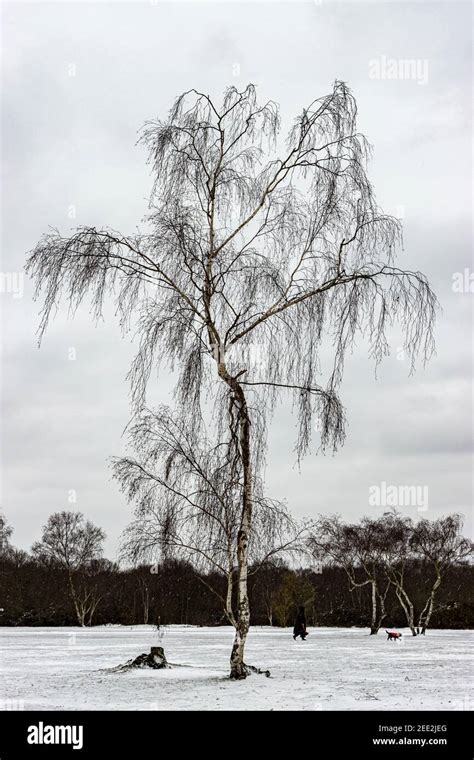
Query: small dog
point(393, 635)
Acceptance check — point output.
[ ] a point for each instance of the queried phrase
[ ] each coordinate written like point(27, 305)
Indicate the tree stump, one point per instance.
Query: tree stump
point(155, 659)
point(158, 655)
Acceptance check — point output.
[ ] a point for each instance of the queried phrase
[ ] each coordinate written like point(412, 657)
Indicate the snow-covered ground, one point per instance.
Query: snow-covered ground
point(334, 669)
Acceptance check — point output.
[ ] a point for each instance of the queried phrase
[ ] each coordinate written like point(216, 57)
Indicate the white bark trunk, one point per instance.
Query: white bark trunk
point(373, 623)
point(407, 606)
point(238, 669)
point(382, 613)
point(425, 616)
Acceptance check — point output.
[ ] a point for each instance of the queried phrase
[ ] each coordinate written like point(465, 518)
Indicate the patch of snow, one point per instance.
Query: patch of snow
point(334, 669)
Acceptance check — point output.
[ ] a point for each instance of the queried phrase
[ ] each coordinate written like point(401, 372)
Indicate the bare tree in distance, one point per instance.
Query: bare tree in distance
point(378, 551)
point(6, 531)
point(75, 544)
point(17, 557)
point(397, 552)
point(268, 585)
point(187, 506)
point(439, 543)
point(246, 248)
point(358, 549)
point(143, 582)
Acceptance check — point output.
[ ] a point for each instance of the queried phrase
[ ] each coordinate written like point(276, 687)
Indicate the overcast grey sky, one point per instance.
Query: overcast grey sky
point(78, 81)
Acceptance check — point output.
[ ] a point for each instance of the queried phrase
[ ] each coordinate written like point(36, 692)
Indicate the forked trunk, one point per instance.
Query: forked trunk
point(407, 606)
point(381, 613)
point(373, 623)
point(82, 615)
point(78, 608)
point(92, 607)
point(425, 616)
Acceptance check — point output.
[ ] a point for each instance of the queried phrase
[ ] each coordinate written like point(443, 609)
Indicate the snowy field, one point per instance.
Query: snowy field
point(334, 669)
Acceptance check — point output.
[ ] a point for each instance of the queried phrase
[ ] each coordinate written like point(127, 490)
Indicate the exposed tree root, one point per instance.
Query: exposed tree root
point(247, 670)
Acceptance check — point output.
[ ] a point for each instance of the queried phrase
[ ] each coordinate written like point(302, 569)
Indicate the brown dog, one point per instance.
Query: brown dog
point(393, 635)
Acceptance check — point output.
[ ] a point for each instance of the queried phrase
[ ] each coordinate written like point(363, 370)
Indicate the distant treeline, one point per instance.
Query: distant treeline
point(35, 593)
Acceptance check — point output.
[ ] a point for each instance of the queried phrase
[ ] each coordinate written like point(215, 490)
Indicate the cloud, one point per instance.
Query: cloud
point(79, 80)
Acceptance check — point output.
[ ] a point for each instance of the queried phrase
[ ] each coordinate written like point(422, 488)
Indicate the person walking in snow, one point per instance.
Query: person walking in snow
point(300, 625)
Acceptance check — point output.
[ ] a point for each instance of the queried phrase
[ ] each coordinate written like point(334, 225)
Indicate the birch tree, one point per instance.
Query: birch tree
point(369, 549)
point(398, 554)
point(253, 251)
point(74, 544)
point(358, 550)
point(440, 544)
